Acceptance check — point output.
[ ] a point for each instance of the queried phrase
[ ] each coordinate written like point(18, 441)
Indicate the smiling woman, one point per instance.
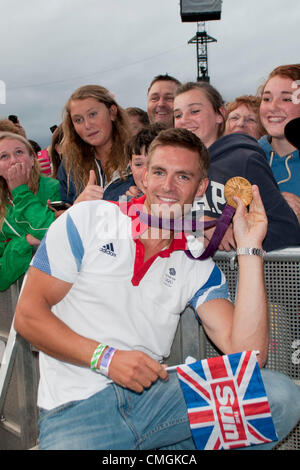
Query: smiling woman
point(199, 107)
point(95, 129)
point(278, 107)
point(243, 116)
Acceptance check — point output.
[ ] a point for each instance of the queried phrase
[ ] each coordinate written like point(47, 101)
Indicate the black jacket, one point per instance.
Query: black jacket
point(240, 155)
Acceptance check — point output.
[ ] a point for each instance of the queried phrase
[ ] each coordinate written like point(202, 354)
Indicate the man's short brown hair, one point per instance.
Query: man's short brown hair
point(184, 139)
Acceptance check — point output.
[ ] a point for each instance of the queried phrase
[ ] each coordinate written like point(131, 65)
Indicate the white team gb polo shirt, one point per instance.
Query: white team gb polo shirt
point(116, 298)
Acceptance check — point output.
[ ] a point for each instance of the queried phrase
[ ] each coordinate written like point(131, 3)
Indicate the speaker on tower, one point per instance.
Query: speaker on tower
point(200, 10)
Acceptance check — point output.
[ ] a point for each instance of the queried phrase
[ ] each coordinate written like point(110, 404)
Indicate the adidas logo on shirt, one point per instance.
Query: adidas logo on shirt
point(108, 249)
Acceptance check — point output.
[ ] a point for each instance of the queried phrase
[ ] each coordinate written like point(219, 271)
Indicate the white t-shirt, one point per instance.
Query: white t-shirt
point(116, 298)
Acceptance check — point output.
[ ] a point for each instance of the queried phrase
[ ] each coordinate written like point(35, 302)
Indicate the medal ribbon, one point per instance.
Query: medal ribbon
point(192, 225)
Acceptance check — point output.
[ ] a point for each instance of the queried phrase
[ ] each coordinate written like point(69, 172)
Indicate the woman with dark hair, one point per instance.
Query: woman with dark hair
point(24, 214)
point(279, 105)
point(203, 107)
point(199, 107)
point(95, 129)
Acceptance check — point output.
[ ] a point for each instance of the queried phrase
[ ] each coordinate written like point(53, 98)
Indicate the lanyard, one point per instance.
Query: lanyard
point(238, 186)
point(221, 224)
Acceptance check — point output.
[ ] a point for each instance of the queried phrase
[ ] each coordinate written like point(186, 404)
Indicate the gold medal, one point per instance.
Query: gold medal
point(240, 187)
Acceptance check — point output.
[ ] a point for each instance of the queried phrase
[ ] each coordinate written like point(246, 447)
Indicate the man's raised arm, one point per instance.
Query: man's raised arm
point(244, 326)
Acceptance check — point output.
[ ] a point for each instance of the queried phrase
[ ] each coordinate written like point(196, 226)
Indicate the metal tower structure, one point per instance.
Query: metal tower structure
point(201, 39)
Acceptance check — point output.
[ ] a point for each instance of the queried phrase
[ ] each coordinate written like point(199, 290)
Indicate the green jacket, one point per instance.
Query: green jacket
point(28, 214)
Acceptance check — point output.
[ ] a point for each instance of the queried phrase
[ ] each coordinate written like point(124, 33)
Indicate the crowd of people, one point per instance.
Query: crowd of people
point(92, 156)
point(102, 152)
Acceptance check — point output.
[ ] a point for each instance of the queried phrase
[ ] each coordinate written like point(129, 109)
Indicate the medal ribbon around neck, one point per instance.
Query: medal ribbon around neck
point(237, 186)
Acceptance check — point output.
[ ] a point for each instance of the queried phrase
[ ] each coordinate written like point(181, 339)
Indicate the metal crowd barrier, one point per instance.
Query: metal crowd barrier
point(18, 380)
point(19, 366)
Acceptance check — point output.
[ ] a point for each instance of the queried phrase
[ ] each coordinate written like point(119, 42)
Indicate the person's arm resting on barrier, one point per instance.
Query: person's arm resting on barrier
point(245, 325)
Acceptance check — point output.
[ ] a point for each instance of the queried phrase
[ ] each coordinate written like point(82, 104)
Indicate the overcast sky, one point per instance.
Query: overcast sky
point(50, 48)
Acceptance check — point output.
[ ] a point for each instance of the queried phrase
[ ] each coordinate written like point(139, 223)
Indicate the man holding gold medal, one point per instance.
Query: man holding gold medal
point(104, 320)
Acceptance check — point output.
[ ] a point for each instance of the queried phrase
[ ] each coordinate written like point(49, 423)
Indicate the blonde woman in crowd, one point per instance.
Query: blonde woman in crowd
point(95, 129)
point(24, 214)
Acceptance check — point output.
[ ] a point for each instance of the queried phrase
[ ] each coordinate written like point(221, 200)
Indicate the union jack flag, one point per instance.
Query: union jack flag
point(227, 403)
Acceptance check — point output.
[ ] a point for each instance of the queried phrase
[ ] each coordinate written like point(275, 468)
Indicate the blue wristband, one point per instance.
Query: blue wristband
point(106, 360)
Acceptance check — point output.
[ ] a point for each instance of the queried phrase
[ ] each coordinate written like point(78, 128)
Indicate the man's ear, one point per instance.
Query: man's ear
point(202, 187)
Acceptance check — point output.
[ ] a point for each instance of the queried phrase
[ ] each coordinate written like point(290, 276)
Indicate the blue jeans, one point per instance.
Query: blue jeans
point(119, 419)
